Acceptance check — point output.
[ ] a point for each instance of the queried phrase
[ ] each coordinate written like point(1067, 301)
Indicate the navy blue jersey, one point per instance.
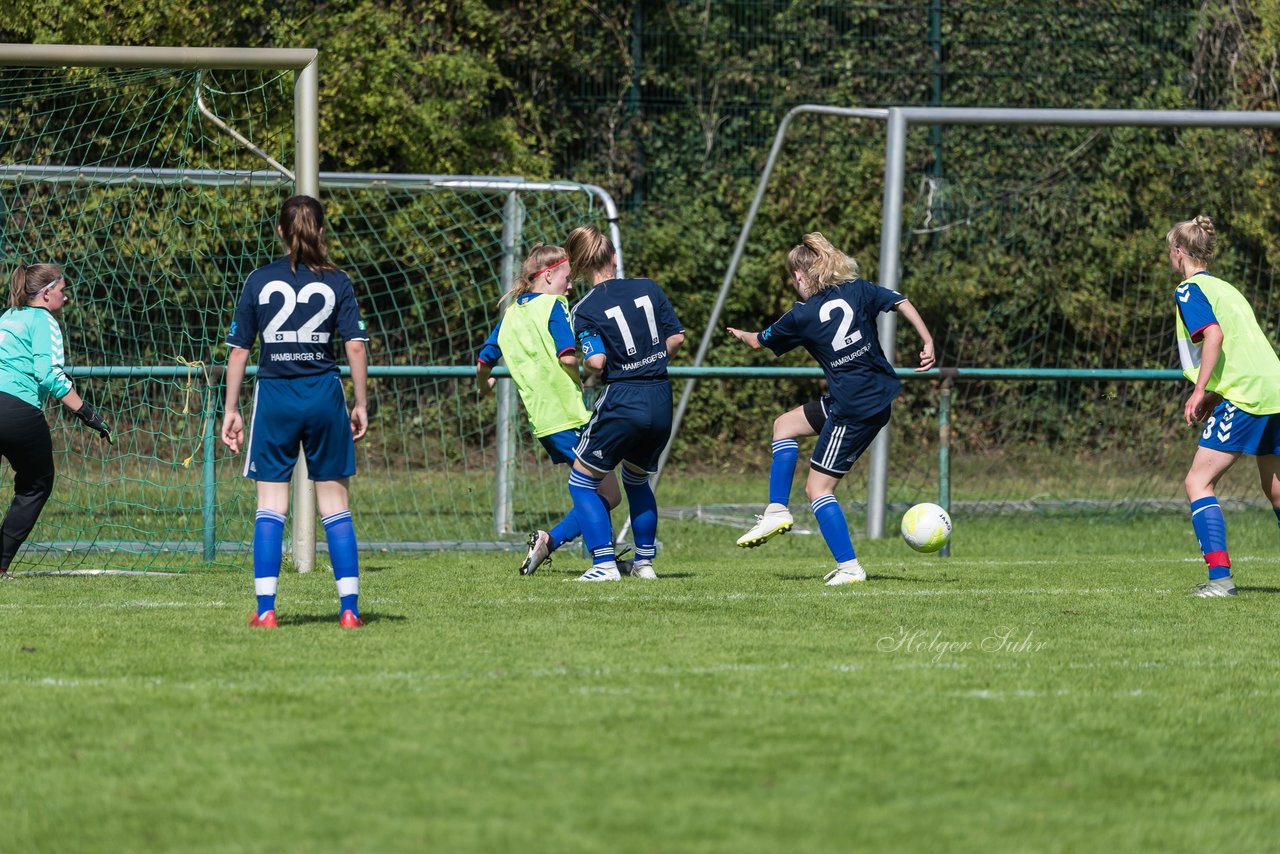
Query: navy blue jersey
point(296, 315)
point(837, 326)
point(629, 321)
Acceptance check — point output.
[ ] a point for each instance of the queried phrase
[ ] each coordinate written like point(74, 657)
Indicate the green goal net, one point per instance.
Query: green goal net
point(1036, 254)
point(133, 180)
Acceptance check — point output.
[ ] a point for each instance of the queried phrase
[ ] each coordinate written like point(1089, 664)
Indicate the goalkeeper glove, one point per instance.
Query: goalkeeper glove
point(93, 419)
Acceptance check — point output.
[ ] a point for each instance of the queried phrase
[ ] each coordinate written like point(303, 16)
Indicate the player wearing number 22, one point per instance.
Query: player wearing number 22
point(836, 322)
point(296, 306)
point(627, 329)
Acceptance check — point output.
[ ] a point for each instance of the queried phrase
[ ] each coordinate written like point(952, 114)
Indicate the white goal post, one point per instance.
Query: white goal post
point(304, 62)
point(897, 121)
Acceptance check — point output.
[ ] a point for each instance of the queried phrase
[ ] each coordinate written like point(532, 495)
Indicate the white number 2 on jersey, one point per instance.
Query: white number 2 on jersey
point(842, 337)
point(306, 333)
point(615, 314)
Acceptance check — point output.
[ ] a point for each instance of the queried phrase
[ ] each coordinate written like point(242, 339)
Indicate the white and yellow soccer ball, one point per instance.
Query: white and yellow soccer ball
point(926, 528)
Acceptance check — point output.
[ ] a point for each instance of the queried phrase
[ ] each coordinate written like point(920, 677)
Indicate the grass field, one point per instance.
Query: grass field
point(1049, 687)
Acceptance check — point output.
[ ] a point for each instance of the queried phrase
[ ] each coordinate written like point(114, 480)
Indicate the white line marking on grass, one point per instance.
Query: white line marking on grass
point(137, 603)
point(852, 591)
point(587, 679)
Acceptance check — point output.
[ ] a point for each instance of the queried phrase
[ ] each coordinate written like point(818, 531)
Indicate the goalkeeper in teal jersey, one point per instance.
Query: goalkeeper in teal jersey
point(32, 360)
point(1237, 387)
point(535, 340)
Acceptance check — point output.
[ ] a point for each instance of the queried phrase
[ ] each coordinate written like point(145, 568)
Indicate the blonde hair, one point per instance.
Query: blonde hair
point(302, 229)
point(539, 261)
point(819, 263)
point(590, 252)
point(26, 283)
point(1196, 237)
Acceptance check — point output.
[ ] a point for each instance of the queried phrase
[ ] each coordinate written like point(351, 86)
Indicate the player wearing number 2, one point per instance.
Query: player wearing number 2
point(296, 305)
point(627, 329)
point(835, 321)
point(1237, 376)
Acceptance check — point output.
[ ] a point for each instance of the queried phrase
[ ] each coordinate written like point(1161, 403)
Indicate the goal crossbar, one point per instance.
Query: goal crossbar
point(897, 120)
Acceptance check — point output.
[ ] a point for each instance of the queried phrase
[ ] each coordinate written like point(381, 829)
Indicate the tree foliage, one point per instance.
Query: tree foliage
point(1025, 247)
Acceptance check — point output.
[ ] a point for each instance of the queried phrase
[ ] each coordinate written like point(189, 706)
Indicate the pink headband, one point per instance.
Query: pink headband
point(552, 267)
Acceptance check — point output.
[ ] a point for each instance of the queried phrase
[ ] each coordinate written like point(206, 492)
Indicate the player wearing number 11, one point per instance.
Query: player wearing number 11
point(297, 305)
point(835, 321)
point(627, 329)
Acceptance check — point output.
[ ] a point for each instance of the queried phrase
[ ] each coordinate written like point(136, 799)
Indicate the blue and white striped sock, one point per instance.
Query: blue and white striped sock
point(340, 532)
point(783, 470)
point(644, 513)
point(1211, 530)
point(268, 538)
point(834, 527)
point(597, 530)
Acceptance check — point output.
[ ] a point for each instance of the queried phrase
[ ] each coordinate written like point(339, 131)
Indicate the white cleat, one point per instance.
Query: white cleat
point(775, 520)
point(603, 572)
point(845, 573)
point(1217, 587)
point(539, 552)
point(643, 569)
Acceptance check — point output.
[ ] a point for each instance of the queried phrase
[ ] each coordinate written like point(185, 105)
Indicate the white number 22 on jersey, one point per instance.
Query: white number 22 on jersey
point(306, 333)
point(615, 314)
point(842, 337)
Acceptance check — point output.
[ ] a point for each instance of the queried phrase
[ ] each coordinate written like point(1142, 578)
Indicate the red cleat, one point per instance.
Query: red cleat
point(349, 620)
point(265, 621)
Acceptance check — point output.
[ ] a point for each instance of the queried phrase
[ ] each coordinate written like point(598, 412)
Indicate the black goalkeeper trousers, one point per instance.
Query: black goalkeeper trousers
point(26, 443)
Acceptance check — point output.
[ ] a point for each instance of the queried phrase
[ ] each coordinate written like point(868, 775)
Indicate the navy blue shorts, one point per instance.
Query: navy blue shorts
point(308, 411)
point(631, 423)
point(560, 445)
point(1233, 430)
point(815, 412)
point(842, 441)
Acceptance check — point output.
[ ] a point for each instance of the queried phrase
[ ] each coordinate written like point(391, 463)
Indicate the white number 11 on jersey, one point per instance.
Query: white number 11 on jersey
point(615, 314)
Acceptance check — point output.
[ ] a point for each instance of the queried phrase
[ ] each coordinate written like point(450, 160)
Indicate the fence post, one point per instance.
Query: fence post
point(210, 413)
point(504, 482)
point(944, 451)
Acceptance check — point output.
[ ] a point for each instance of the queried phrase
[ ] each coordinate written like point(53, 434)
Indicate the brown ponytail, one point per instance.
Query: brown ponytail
point(590, 252)
point(28, 281)
point(302, 229)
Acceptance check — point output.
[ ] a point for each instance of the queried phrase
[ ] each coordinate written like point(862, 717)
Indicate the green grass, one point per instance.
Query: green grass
point(736, 704)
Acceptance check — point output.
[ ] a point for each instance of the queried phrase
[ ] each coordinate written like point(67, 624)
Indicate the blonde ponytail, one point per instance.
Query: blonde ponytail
point(819, 263)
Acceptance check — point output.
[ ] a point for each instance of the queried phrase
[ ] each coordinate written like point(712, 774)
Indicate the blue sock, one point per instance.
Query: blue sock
point(835, 530)
point(783, 470)
point(1211, 530)
point(341, 535)
point(644, 513)
point(566, 529)
point(597, 530)
point(1277, 510)
point(268, 538)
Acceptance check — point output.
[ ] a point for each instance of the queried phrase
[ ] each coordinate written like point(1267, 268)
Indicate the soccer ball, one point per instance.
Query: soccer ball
point(926, 527)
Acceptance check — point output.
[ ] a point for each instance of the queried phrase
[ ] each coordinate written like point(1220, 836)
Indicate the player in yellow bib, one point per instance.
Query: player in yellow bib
point(1237, 386)
point(535, 340)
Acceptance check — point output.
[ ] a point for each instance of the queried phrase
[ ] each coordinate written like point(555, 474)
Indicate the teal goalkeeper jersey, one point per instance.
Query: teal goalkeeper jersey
point(32, 356)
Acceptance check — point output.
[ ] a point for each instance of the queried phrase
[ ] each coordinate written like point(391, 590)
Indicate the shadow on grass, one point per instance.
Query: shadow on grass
point(879, 576)
point(369, 617)
point(1244, 589)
